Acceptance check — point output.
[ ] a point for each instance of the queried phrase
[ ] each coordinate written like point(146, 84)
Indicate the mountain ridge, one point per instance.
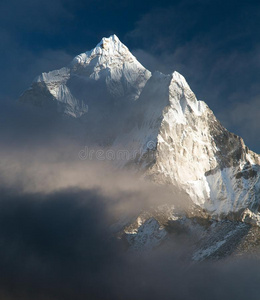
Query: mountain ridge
point(156, 113)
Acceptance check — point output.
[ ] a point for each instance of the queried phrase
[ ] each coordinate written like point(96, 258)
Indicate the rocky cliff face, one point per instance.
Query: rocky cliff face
point(192, 149)
point(168, 135)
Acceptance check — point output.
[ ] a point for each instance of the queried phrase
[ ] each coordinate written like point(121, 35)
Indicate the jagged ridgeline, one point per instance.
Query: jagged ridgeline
point(143, 113)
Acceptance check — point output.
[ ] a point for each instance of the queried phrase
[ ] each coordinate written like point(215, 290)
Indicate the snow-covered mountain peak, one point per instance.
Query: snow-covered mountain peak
point(109, 72)
point(109, 53)
point(180, 80)
point(112, 44)
point(154, 124)
point(112, 62)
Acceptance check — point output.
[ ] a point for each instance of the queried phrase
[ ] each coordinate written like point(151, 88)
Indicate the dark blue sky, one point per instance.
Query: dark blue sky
point(214, 44)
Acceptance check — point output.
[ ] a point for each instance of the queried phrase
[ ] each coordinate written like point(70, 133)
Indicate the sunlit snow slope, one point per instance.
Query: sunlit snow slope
point(162, 117)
